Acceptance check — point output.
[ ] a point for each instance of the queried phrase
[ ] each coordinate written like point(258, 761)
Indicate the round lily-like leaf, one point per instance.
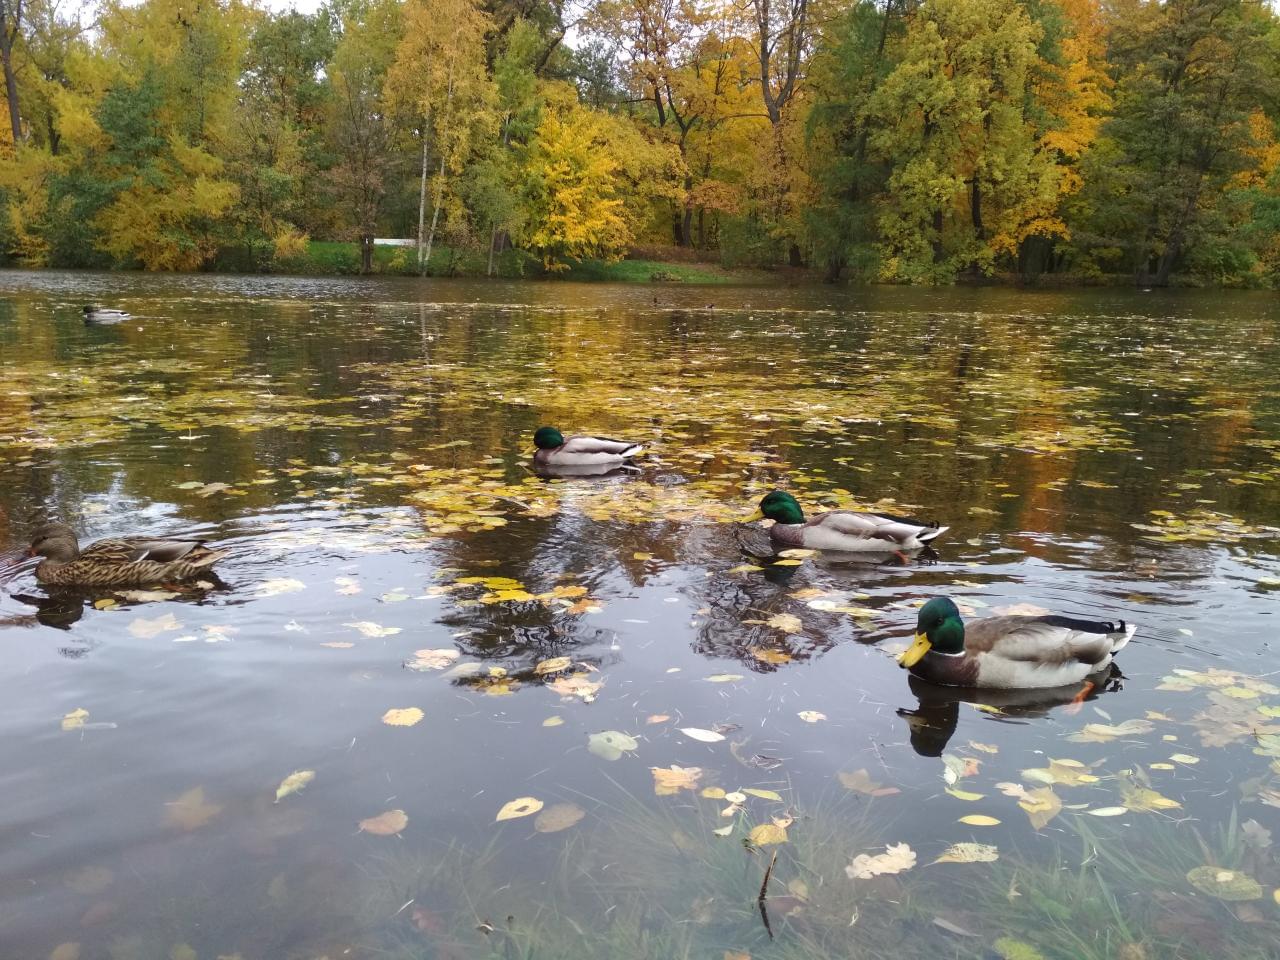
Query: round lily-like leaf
point(1225, 884)
point(611, 744)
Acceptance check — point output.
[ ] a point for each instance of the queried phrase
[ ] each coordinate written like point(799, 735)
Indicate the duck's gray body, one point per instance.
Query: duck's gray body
point(587, 452)
point(98, 315)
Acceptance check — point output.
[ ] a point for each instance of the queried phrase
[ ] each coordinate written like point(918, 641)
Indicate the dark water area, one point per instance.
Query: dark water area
point(424, 630)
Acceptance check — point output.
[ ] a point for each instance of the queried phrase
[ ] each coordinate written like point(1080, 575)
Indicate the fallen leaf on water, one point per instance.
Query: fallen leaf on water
point(1108, 811)
point(642, 556)
point(423, 660)
point(964, 794)
point(385, 824)
point(673, 779)
point(402, 716)
point(557, 817)
point(338, 644)
point(979, 820)
point(724, 677)
point(762, 794)
point(371, 629)
point(75, 719)
point(811, 716)
point(146, 596)
point(1224, 884)
point(105, 604)
point(1009, 949)
point(712, 793)
point(969, 853)
point(706, 736)
point(768, 655)
point(1041, 805)
point(723, 831)
point(1145, 800)
point(945, 924)
point(1184, 758)
point(71, 951)
point(611, 744)
point(786, 622)
point(657, 718)
point(519, 807)
point(860, 782)
point(293, 783)
point(765, 834)
point(273, 588)
point(796, 553)
point(553, 721)
point(347, 586)
point(145, 629)
point(984, 747)
point(578, 685)
point(1104, 732)
point(554, 665)
point(190, 811)
point(896, 858)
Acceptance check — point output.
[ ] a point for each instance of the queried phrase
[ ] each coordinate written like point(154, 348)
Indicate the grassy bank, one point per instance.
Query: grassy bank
point(327, 258)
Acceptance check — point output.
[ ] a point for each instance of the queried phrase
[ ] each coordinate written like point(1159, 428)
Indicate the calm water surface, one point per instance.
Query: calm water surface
point(362, 449)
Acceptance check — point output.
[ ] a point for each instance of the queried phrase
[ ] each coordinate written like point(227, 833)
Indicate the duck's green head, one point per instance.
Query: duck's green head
point(779, 506)
point(938, 627)
point(547, 438)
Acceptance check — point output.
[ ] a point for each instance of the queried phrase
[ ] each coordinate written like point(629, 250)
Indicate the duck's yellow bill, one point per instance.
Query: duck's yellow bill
point(919, 647)
point(758, 515)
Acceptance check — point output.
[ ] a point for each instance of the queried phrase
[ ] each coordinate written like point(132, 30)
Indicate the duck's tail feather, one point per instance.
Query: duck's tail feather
point(931, 533)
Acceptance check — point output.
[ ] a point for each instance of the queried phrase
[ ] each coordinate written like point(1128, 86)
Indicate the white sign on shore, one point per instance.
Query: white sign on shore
point(390, 242)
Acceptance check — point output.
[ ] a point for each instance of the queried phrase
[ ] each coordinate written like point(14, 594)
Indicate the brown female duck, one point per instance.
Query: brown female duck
point(118, 562)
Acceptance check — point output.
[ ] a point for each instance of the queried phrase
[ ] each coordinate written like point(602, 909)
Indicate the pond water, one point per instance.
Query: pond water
point(410, 620)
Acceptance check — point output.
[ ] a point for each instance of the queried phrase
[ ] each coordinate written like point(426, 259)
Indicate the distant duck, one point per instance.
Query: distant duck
point(842, 531)
point(553, 450)
point(101, 315)
point(1010, 652)
point(121, 562)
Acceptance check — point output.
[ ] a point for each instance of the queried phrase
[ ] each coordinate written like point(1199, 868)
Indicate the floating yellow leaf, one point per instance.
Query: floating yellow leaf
point(979, 820)
point(190, 811)
point(797, 553)
point(964, 794)
point(105, 604)
point(557, 817)
point(724, 677)
point(671, 780)
point(811, 716)
point(712, 793)
point(762, 794)
point(657, 718)
point(787, 563)
point(1184, 758)
point(1142, 799)
point(723, 831)
point(75, 719)
point(767, 655)
point(370, 629)
point(293, 783)
point(385, 824)
point(553, 721)
point(519, 807)
point(402, 716)
point(554, 665)
point(578, 685)
point(984, 747)
point(896, 858)
point(642, 556)
point(1108, 811)
point(1041, 805)
point(786, 622)
point(1162, 766)
point(744, 568)
point(969, 853)
point(765, 834)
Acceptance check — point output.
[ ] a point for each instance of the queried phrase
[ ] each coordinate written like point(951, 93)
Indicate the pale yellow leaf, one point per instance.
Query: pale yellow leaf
point(979, 820)
point(75, 719)
point(293, 783)
point(402, 716)
point(765, 834)
point(557, 817)
point(385, 824)
point(520, 807)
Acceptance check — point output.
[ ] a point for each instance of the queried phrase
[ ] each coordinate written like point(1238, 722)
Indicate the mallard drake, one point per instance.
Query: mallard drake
point(842, 531)
point(553, 450)
point(122, 562)
point(101, 315)
point(1010, 652)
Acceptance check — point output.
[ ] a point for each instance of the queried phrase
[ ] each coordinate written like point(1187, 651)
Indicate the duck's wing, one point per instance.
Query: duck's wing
point(596, 445)
point(1050, 641)
point(893, 530)
point(130, 550)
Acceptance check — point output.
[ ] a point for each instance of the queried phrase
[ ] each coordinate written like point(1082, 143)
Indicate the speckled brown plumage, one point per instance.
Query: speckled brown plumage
point(119, 562)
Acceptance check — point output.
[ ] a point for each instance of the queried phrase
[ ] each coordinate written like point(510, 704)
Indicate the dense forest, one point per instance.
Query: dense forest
point(919, 141)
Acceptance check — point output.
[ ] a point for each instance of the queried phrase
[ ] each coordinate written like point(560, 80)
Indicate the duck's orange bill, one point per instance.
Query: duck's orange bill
point(758, 515)
point(919, 647)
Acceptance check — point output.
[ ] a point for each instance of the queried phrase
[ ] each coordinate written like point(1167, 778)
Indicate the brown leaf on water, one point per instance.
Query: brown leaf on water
point(766, 834)
point(554, 665)
point(557, 817)
point(385, 824)
point(673, 779)
point(657, 718)
point(786, 622)
point(190, 811)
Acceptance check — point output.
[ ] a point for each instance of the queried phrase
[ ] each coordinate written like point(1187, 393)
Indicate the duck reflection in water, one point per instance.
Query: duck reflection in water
point(933, 722)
